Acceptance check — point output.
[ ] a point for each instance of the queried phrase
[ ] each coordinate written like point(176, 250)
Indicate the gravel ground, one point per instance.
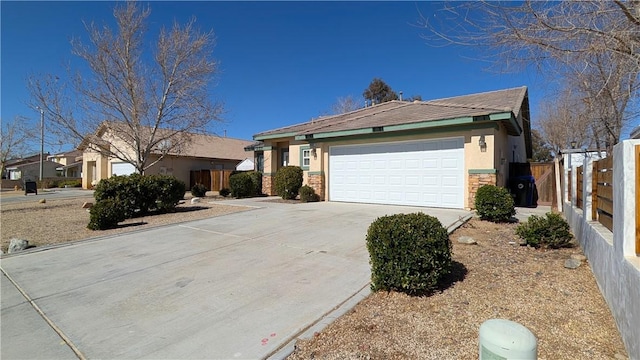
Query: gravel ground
point(493, 279)
point(64, 220)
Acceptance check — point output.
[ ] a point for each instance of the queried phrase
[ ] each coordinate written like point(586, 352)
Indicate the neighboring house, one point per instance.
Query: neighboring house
point(31, 171)
point(206, 152)
point(71, 163)
point(246, 165)
point(635, 133)
point(13, 163)
point(423, 153)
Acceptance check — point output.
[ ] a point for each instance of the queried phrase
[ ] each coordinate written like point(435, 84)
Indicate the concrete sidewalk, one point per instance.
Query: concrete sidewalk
point(239, 286)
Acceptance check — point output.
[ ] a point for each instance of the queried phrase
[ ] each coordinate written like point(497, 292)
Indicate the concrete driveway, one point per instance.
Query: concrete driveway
point(239, 286)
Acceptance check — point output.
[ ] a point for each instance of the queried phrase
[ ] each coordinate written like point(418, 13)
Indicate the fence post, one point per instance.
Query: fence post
point(559, 193)
point(574, 184)
point(624, 197)
point(565, 177)
point(594, 189)
point(637, 187)
point(587, 175)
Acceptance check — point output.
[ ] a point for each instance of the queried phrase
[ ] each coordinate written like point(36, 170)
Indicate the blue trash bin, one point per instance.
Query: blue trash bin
point(523, 190)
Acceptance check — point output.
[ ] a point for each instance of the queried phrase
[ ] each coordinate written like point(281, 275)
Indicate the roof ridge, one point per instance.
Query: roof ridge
point(469, 106)
point(347, 119)
point(523, 87)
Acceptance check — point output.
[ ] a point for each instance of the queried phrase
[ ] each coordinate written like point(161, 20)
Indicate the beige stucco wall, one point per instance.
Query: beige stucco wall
point(178, 166)
point(181, 167)
point(492, 160)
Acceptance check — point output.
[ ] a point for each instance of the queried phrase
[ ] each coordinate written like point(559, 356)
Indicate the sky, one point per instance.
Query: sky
point(281, 63)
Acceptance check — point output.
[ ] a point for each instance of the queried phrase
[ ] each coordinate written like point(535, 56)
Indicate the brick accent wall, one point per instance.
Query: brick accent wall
point(268, 184)
point(316, 181)
point(477, 180)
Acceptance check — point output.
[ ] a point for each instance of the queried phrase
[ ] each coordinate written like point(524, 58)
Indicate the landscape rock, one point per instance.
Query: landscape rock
point(620, 357)
point(572, 263)
point(42, 201)
point(17, 245)
point(87, 205)
point(467, 240)
point(579, 257)
point(195, 200)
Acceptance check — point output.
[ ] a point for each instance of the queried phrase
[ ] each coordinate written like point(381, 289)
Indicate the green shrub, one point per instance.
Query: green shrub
point(169, 192)
point(105, 214)
point(256, 180)
point(70, 183)
point(410, 253)
point(307, 194)
point(139, 194)
point(198, 190)
point(224, 192)
point(242, 185)
point(551, 231)
point(288, 181)
point(121, 190)
point(494, 203)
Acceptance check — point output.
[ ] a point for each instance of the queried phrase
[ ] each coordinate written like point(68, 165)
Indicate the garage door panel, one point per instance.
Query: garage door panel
point(424, 173)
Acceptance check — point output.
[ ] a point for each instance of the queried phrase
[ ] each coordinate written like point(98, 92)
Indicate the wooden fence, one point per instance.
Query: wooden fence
point(579, 184)
point(545, 181)
point(602, 193)
point(214, 180)
point(545, 176)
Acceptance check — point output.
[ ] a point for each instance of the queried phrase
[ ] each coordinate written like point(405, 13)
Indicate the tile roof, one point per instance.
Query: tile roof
point(212, 146)
point(401, 112)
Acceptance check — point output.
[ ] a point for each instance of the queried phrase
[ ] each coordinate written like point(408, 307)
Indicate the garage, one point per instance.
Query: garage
point(122, 168)
point(417, 173)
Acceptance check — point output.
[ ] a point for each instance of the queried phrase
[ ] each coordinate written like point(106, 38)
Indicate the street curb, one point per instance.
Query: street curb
point(328, 318)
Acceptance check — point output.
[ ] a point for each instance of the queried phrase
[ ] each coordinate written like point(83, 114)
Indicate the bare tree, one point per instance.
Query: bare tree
point(594, 45)
point(151, 100)
point(345, 104)
point(563, 120)
point(14, 136)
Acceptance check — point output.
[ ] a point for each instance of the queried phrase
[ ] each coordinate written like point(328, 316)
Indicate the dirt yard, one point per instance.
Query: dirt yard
point(64, 220)
point(493, 279)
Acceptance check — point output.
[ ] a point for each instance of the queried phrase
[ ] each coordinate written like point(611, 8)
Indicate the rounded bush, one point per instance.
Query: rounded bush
point(551, 231)
point(256, 180)
point(410, 253)
point(242, 185)
point(307, 194)
point(224, 192)
point(198, 190)
point(494, 203)
point(288, 181)
point(120, 189)
point(168, 192)
point(105, 214)
point(139, 194)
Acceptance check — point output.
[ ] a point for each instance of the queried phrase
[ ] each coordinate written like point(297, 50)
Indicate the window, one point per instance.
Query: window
point(260, 162)
point(306, 157)
point(285, 157)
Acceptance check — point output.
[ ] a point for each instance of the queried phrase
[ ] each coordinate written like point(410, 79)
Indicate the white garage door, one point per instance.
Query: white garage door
point(422, 173)
point(122, 168)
